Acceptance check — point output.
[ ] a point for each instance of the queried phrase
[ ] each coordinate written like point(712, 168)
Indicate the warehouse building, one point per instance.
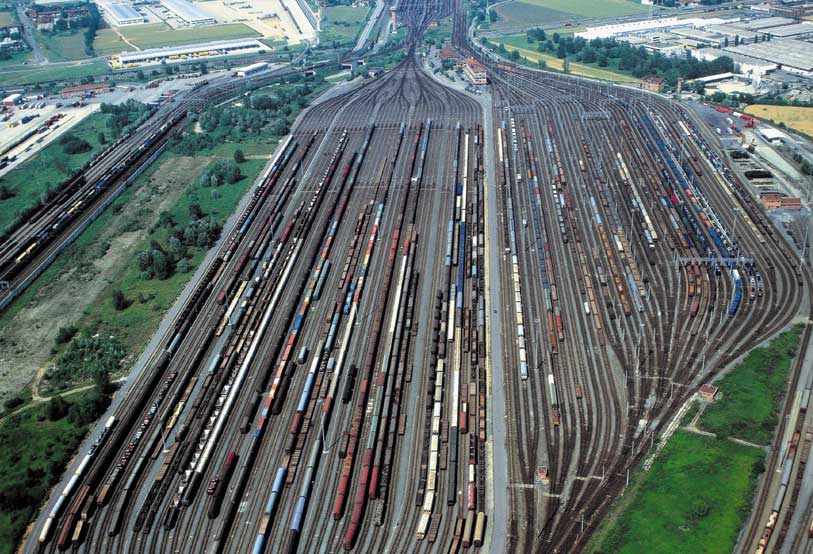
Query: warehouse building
point(188, 12)
point(120, 14)
point(796, 30)
point(751, 67)
point(178, 54)
point(790, 54)
point(251, 69)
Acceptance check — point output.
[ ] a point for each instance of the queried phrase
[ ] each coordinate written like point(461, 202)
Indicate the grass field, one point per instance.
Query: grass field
point(342, 24)
point(62, 47)
point(6, 19)
point(698, 493)
point(694, 499)
point(519, 42)
point(527, 13)
point(155, 35)
point(793, 117)
point(135, 325)
point(33, 74)
point(750, 396)
point(49, 168)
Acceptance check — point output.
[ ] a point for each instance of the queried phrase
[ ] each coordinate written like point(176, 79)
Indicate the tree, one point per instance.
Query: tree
point(6, 192)
point(140, 75)
point(239, 157)
point(698, 87)
point(120, 302)
point(561, 52)
point(492, 16)
point(102, 139)
point(57, 408)
point(566, 65)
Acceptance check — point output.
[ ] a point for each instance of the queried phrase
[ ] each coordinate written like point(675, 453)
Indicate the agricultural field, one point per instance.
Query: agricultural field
point(750, 396)
point(342, 24)
point(62, 47)
point(155, 35)
point(520, 44)
point(793, 117)
point(694, 499)
point(528, 13)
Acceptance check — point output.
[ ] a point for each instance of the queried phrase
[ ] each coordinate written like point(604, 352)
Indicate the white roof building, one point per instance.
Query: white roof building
point(186, 53)
point(120, 14)
point(188, 12)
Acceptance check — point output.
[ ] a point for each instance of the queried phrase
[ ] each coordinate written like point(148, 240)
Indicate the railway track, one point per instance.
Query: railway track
point(336, 307)
point(325, 386)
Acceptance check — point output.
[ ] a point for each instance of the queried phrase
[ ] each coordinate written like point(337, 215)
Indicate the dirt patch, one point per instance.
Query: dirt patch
point(26, 341)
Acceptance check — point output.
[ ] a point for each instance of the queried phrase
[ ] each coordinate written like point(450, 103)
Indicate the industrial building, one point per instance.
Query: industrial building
point(251, 69)
point(120, 14)
point(792, 55)
point(188, 12)
point(751, 67)
point(178, 54)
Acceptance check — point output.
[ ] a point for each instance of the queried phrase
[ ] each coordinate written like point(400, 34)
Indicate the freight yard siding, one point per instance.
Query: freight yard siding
point(600, 193)
point(261, 292)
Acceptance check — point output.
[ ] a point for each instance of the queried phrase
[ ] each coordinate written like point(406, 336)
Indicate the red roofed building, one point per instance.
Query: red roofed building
point(448, 53)
point(475, 71)
point(653, 83)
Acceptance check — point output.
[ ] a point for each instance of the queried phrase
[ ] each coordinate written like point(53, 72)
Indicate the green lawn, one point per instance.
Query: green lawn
point(519, 42)
point(49, 168)
point(6, 19)
point(342, 24)
point(751, 395)
point(154, 35)
point(440, 33)
point(62, 47)
point(694, 499)
point(33, 74)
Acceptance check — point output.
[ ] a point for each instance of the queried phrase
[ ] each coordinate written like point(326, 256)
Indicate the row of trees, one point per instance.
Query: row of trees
point(634, 60)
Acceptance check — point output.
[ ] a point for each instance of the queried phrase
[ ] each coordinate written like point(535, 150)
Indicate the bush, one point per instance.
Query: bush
point(71, 144)
point(239, 157)
point(65, 334)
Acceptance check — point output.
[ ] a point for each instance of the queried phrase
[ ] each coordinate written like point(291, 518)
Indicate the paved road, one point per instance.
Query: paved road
point(496, 411)
point(28, 35)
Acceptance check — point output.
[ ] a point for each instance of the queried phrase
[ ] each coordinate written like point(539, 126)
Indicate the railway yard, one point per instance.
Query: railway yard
point(327, 385)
